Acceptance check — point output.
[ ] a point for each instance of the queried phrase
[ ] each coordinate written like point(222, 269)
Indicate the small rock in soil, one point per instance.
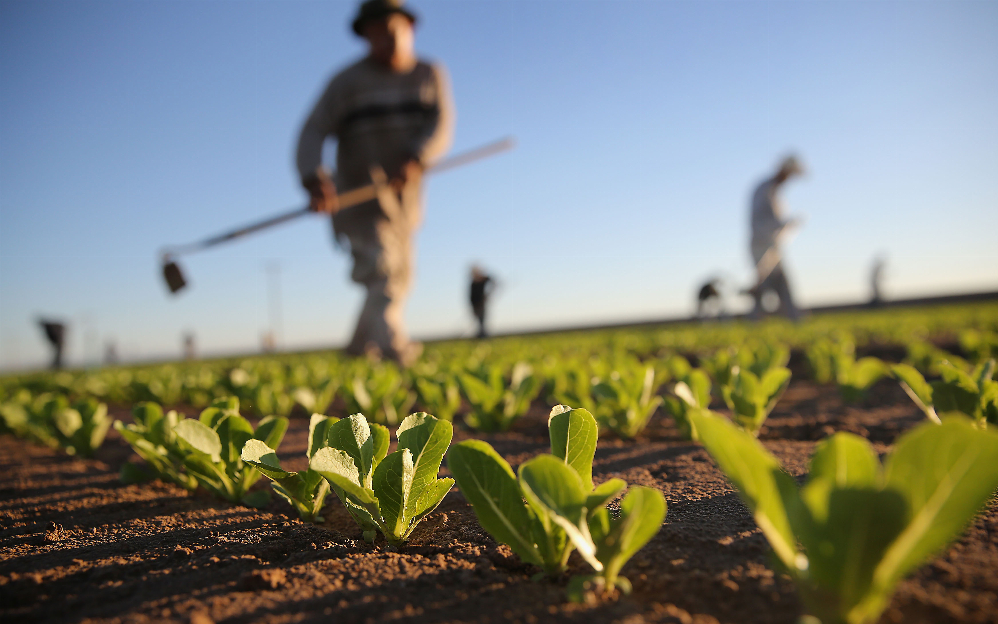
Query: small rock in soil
point(264, 579)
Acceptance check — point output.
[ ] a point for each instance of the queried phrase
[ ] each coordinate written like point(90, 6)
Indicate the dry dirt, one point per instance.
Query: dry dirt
point(77, 545)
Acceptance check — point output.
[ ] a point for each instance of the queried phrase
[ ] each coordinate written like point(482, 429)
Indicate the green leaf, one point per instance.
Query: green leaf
point(554, 490)
point(264, 458)
point(392, 485)
point(432, 496)
point(318, 430)
point(845, 547)
point(200, 437)
point(147, 413)
point(916, 388)
point(574, 433)
point(488, 483)
point(946, 473)
point(233, 431)
point(271, 430)
point(604, 493)
point(761, 482)
point(847, 461)
point(68, 421)
point(641, 515)
point(380, 440)
point(339, 469)
point(353, 436)
point(427, 438)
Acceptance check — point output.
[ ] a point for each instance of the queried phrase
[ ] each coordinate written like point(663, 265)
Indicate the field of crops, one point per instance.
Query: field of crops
point(844, 467)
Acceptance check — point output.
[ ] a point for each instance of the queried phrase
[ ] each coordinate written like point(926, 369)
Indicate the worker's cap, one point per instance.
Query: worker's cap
point(791, 165)
point(378, 9)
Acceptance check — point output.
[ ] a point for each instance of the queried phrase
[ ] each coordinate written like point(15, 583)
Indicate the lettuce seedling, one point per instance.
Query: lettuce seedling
point(855, 377)
point(152, 438)
point(387, 493)
point(751, 398)
point(382, 391)
point(692, 391)
point(974, 394)
point(490, 485)
point(563, 511)
point(305, 491)
point(81, 429)
point(856, 528)
point(494, 406)
point(439, 394)
point(213, 447)
point(627, 401)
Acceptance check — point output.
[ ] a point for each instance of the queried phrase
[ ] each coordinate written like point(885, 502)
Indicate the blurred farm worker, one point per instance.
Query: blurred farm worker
point(481, 287)
point(709, 299)
point(389, 112)
point(768, 228)
point(55, 333)
point(876, 279)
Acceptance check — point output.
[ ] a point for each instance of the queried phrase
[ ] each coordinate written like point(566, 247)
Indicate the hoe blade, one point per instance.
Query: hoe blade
point(174, 278)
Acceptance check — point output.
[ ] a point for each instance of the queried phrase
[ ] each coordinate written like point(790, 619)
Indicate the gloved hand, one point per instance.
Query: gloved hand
point(322, 194)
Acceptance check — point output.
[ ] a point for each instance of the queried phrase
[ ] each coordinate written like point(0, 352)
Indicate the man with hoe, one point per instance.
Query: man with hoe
point(768, 229)
point(389, 112)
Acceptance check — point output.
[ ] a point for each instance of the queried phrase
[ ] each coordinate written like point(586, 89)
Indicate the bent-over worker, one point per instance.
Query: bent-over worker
point(768, 225)
point(392, 111)
point(481, 287)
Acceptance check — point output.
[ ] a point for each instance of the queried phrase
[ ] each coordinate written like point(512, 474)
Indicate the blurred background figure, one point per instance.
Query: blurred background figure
point(482, 286)
point(876, 280)
point(190, 346)
point(391, 111)
point(111, 353)
point(709, 299)
point(55, 333)
point(769, 229)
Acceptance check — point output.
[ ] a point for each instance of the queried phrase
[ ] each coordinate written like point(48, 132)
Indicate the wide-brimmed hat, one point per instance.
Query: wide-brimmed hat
point(377, 9)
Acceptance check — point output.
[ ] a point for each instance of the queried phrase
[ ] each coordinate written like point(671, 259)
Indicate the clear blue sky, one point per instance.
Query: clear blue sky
point(642, 128)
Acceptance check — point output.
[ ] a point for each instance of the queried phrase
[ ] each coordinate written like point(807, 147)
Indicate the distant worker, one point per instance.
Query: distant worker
point(55, 333)
point(876, 278)
point(481, 287)
point(768, 228)
point(389, 112)
point(709, 299)
point(190, 346)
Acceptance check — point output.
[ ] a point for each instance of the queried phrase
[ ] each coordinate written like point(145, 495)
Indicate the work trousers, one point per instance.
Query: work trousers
point(775, 282)
point(382, 251)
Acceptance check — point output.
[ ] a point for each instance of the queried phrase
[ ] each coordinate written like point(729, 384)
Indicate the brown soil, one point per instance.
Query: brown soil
point(77, 545)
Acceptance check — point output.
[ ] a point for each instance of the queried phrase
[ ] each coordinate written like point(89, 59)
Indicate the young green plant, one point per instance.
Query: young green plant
point(563, 511)
point(152, 437)
point(306, 490)
point(856, 528)
point(691, 392)
point(213, 447)
point(751, 398)
point(974, 394)
point(386, 493)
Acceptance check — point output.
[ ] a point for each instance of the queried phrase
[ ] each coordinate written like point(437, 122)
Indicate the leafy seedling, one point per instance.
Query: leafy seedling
point(691, 392)
point(305, 491)
point(440, 394)
point(856, 528)
point(494, 406)
point(213, 447)
point(751, 399)
point(152, 438)
point(627, 400)
point(386, 493)
point(856, 377)
point(974, 394)
point(563, 511)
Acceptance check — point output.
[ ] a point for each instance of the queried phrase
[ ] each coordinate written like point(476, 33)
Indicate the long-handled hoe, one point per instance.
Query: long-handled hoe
point(378, 189)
